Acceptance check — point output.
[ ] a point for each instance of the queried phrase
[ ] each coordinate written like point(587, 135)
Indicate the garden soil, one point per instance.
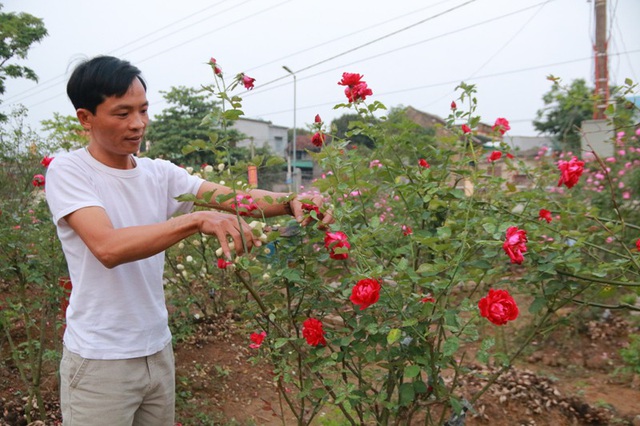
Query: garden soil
point(571, 378)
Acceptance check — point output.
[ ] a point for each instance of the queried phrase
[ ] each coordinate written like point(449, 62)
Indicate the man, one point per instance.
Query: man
point(115, 216)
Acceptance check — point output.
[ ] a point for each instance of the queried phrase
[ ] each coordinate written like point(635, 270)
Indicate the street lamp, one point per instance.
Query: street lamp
point(294, 129)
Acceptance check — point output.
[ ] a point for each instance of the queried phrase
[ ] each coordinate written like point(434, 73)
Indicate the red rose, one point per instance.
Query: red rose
point(313, 332)
point(257, 339)
point(334, 240)
point(357, 89)
point(466, 129)
point(638, 244)
point(509, 155)
point(406, 230)
point(494, 156)
point(453, 105)
point(318, 119)
point(501, 125)
point(428, 299)
point(498, 307)
point(515, 244)
point(545, 214)
point(365, 293)
point(46, 161)
point(222, 264)
point(307, 207)
point(317, 139)
point(244, 204)
point(423, 163)
point(350, 79)
point(214, 65)
point(570, 171)
point(38, 181)
point(248, 82)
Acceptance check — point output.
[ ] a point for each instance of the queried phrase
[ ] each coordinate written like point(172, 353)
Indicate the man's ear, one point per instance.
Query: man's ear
point(84, 117)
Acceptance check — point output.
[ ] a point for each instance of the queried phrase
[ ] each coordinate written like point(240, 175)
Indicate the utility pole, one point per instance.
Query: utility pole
point(601, 67)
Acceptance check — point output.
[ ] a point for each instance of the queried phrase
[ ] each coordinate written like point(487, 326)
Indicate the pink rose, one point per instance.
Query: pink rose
point(498, 307)
point(38, 181)
point(216, 69)
point(312, 331)
point(365, 293)
point(515, 244)
point(244, 205)
point(248, 82)
point(570, 171)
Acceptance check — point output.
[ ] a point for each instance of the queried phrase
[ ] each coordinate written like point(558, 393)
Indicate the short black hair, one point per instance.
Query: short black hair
point(96, 79)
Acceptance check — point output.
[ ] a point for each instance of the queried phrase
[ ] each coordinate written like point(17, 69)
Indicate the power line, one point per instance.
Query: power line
point(56, 80)
point(279, 60)
point(261, 89)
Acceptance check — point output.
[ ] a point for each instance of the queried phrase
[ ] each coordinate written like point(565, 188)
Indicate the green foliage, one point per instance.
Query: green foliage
point(631, 354)
point(18, 31)
point(565, 110)
point(31, 263)
point(403, 354)
point(65, 132)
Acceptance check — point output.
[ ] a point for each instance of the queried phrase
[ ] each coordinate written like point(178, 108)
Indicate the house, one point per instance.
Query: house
point(260, 134)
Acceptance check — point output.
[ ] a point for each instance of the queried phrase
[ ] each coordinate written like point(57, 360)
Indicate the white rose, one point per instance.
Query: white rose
point(189, 259)
point(180, 267)
point(208, 168)
point(266, 277)
point(219, 252)
point(189, 170)
point(181, 246)
point(221, 166)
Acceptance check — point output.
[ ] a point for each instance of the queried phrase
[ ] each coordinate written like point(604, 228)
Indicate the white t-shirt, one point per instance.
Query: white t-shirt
point(116, 313)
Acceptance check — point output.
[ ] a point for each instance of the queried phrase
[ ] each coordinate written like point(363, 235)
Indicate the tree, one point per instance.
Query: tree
point(565, 110)
point(65, 132)
point(344, 123)
point(181, 124)
point(18, 31)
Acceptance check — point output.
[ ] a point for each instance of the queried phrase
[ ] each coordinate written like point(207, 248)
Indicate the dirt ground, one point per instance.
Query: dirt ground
point(569, 379)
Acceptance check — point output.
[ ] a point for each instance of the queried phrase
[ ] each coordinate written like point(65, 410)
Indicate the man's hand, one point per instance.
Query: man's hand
point(225, 227)
point(302, 204)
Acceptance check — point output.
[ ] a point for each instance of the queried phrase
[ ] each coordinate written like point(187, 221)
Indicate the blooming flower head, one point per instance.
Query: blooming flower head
point(423, 163)
point(375, 163)
point(465, 129)
point(545, 215)
point(216, 69)
point(638, 244)
point(334, 240)
point(257, 339)
point(46, 161)
point(244, 204)
point(501, 125)
point(222, 264)
point(570, 171)
point(357, 89)
point(498, 307)
point(318, 139)
point(428, 299)
point(247, 82)
point(406, 230)
point(312, 331)
point(365, 293)
point(515, 244)
point(308, 207)
point(38, 181)
point(494, 156)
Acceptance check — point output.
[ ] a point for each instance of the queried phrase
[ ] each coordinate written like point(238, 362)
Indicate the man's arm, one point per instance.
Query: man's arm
point(269, 203)
point(113, 247)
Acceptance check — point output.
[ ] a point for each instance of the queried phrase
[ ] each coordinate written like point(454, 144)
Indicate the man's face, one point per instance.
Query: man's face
point(117, 127)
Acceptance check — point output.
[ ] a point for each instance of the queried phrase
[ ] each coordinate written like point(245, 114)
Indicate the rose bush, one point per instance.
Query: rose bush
point(426, 218)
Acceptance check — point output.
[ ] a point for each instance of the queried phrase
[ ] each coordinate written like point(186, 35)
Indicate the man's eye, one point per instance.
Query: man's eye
point(122, 114)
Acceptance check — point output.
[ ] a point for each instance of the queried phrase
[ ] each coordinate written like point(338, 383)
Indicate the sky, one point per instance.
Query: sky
point(411, 53)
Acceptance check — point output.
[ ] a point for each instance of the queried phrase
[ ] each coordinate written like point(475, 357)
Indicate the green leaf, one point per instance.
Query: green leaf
point(411, 371)
point(537, 305)
point(394, 335)
point(450, 346)
point(407, 394)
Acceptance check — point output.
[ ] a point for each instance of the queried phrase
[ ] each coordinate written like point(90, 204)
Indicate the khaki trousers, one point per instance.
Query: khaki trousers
point(128, 392)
